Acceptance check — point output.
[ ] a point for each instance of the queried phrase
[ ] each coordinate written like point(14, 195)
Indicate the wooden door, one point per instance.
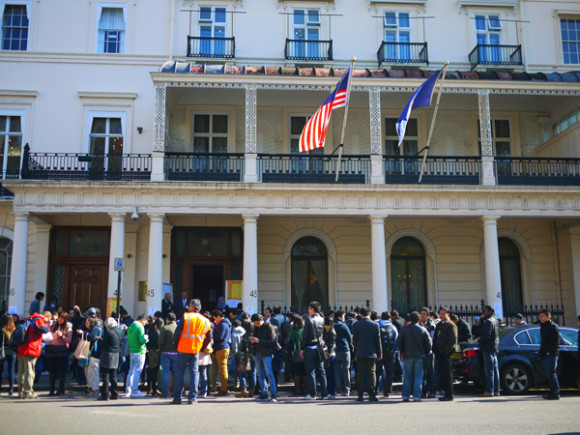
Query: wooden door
point(88, 286)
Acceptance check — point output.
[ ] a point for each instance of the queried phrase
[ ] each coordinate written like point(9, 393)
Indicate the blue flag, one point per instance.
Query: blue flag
point(421, 97)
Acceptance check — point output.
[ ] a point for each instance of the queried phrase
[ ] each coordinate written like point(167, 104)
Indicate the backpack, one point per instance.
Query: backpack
point(20, 335)
point(387, 338)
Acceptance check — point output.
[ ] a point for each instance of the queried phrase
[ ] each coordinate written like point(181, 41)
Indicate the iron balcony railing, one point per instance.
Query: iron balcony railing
point(438, 169)
point(403, 52)
point(215, 48)
point(204, 166)
point(300, 49)
point(537, 171)
point(491, 54)
point(313, 168)
point(85, 167)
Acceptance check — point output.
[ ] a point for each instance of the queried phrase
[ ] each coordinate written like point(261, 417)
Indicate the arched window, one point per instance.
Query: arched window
point(309, 273)
point(5, 265)
point(511, 275)
point(408, 277)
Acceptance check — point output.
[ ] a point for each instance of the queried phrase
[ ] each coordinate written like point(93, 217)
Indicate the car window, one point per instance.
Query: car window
point(535, 335)
point(522, 338)
point(568, 338)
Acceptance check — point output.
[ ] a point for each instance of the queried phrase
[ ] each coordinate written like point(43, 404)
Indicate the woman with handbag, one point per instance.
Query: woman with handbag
point(7, 351)
point(57, 352)
point(294, 348)
point(246, 365)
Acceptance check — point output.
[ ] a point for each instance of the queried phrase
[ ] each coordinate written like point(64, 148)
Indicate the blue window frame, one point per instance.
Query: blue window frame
point(571, 41)
point(15, 28)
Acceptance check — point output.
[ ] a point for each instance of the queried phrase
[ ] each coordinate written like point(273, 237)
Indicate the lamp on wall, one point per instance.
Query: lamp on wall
point(140, 130)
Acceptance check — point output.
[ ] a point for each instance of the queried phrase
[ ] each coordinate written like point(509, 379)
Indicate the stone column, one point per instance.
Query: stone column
point(158, 155)
point(487, 172)
point(250, 158)
point(575, 248)
point(42, 255)
point(116, 250)
point(250, 282)
point(379, 264)
point(155, 265)
point(377, 163)
point(17, 292)
point(493, 295)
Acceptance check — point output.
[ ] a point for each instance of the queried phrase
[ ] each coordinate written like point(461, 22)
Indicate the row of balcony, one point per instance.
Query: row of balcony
point(294, 168)
point(389, 52)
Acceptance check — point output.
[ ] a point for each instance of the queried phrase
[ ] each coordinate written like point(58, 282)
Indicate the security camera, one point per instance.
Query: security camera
point(135, 216)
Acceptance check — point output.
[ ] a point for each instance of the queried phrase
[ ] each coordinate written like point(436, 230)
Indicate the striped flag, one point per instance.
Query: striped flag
point(314, 132)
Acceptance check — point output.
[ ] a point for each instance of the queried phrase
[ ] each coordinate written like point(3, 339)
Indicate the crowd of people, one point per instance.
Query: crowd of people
point(202, 353)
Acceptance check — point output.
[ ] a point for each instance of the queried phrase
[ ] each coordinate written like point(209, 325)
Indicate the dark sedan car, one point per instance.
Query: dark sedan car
point(520, 365)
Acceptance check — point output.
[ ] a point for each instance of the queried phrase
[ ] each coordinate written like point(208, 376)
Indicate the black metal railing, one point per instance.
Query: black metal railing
point(84, 167)
point(348, 308)
point(492, 54)
point(204, 166)
point(313, 168)
point(537, 171)
point(214, 48)
point(438, 169)
point(403, 52)
point(300, 49)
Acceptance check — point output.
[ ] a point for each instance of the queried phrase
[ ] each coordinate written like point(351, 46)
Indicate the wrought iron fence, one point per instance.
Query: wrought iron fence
point(313, 168)
point(537, 171)
point(403, 52)
point(438, 169)
point(204, 166)
point(301, 49)
point(215, 48)
point(325, 309)
point(493, 54)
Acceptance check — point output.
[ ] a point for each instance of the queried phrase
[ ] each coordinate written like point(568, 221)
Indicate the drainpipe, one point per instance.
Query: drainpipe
point(171, 29)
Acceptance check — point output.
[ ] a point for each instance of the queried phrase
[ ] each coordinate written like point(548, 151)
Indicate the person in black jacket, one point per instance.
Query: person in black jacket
point(463, 328)
point(489, 346)
point(110, 346)
point(414, 343)
point(549, 352)
point(264, 341)
point(444, 342)
point(329, 337)
point(343, 351)
point(311, 341)
point(366, 336)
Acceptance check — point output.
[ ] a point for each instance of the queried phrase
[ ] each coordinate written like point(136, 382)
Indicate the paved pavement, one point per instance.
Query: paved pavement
point(467, 414)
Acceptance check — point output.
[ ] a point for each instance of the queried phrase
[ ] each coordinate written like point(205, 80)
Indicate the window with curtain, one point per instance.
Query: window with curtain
point(309, 271)
point(488, 34)
point(106, 144)
point(212, 28)
point(5, 265)
point(408, 275)
point(15, 28)
point(398, 34)
point(10, 145)
point(511, 275)
point(111, 33)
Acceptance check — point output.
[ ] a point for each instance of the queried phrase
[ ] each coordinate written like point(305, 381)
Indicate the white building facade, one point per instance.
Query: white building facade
point(167, 133)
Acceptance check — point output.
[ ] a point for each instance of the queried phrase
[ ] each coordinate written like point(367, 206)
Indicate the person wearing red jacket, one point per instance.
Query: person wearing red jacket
point(27, 355)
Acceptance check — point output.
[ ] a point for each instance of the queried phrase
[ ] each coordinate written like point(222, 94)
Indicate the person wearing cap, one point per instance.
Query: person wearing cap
point(519, 319)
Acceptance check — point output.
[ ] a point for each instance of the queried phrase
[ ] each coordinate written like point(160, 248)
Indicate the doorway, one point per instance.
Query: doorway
point(208, 285)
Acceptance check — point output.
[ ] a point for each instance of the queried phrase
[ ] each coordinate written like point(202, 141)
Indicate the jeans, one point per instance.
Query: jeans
point(137, 361)
point(412, 377)
point(248, 379)
point(10, 361)
point(56, 367)
point(388, 363)
point(342, 372)
point(183, 361)
point(203, 381)
point(168, 364)
point(263, 370)
point(491, 370)
point(550, 364)
point(330, 379)
point(109, 387)
point(314, 369)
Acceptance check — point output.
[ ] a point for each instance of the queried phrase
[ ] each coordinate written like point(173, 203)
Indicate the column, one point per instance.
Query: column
point(116, 250)
point(487, 172)
point(250, 282)
point(250, 172)
point(492, 270)
point(158, 155)
point(42, 254)
point(377, 163)
point(575, 247)
point(17, 292)
point(379, 264)
point(155, 265)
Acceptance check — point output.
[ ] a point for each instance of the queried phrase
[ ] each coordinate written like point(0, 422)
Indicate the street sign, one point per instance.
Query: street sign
point(119, 264)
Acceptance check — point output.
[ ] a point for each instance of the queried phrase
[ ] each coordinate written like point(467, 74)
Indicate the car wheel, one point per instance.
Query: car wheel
point(516, 379)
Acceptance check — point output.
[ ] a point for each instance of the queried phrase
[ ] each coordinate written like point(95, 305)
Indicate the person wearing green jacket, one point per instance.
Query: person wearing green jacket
point(137, 347)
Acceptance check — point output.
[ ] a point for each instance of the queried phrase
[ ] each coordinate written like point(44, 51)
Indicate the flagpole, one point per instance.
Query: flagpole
point(441, 80)
point(352, 61)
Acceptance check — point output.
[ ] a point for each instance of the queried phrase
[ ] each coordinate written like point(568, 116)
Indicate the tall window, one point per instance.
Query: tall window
point(398, 33)
point(571, 40)
point(488, 34)
point(511, 278)
point(212, 27)
point(210, 133)
point(306, 27)
point(14, 28)
point(5, 265)
point(111, 33)
point(408, 275)
point(309, 273)
point(501, 137)
point(10, 145)
point(106, 144)
point(409, 145)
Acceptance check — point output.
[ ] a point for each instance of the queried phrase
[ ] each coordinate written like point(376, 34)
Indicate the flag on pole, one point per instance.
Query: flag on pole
point(314, 132)
point(421, 97)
